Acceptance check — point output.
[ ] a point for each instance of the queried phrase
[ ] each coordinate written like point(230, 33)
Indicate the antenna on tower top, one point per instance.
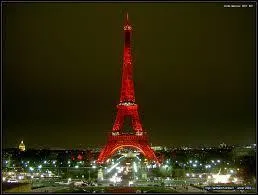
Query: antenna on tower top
point(127, 18)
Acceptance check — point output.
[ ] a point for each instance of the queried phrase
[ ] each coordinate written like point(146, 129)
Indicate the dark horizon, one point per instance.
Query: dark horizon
point(194, 72)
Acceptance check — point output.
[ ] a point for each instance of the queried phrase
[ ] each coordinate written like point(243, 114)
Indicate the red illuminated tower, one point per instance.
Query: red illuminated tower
point(127, 108)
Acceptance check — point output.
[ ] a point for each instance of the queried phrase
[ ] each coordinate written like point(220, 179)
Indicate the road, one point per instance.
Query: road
point(50, 189)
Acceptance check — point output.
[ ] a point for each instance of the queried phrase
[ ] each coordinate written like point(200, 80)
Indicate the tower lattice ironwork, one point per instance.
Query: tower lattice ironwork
point(127, 108)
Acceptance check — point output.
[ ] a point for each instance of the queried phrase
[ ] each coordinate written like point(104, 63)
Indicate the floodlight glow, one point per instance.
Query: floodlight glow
point(235, 179)
point(221, 178)
point(135, 167)
point(138, 158)
point(31, 168)
point(20, 177)
point(114, 166)
point(40, 166)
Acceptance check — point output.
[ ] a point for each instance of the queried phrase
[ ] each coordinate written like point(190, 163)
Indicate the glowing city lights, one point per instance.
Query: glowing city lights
point(221, 178)
point(114, 166)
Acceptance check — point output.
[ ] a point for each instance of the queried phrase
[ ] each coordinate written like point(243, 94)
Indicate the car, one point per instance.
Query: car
point(12, 181)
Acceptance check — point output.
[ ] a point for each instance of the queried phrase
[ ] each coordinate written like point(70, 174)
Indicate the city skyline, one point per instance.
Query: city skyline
point(194, 72)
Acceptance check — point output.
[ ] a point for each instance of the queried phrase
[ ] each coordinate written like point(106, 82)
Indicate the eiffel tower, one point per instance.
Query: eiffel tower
point(127, 108)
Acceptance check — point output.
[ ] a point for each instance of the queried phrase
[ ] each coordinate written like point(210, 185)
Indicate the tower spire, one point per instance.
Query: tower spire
point(127, 88)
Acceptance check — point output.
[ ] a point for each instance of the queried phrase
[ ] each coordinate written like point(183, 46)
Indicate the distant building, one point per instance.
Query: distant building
point(222, 145)
point(156, 148)
point(22, 146)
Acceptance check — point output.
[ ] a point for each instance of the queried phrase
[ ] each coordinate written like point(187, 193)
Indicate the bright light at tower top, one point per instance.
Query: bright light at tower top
point(127, 25)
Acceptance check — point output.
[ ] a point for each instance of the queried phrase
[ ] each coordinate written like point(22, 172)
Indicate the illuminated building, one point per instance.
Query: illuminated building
point(156, 148)
point(100, 175)
point(22, 146)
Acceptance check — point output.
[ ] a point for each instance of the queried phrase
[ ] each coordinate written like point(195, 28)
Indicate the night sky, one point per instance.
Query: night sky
point(194, 72)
